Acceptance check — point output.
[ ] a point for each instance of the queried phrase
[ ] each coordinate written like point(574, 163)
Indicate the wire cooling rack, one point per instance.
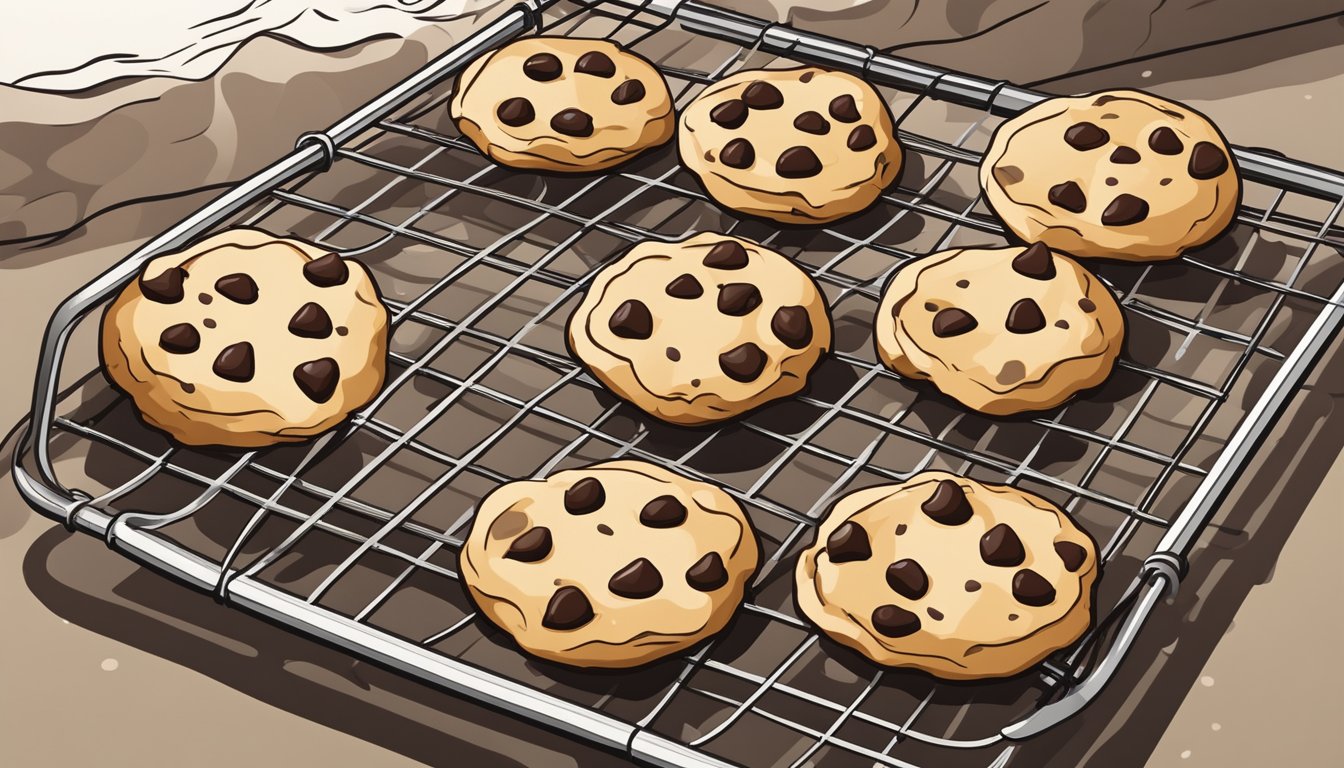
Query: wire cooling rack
point(353, 538)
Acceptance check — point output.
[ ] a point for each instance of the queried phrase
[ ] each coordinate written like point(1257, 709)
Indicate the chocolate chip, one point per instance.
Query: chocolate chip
point(585, 496)
point(1111, 181)
point(542, 67)
point(311, 322)
point(1125, 209)
point(1072, 554)
point(930, 306)
point(1035, 262)
point(1207, 161)
point(595, 63)
point(908, 579)
point(631, 320)
point(812, 122)
point(848, 543)
point(963, 283)
point(1069, 196)
point(638, 580)
point(743, 363)
point(844, 109)
point(793, 326)
point(1164, 141)
point(208, 323)
point(685, 287)
point(738, 299)
point(708, 573)
point(730, 114)
point(629, 92)
point(180, 339)
point(798, 163)
point(515, 112)
point(235, 362)
point(695, 382)
point(188, 388)
point(318, 378)
point(948, 504)
point(1030, 588)
point(604, 529)
point(1012, 617)
point(762, 95)
point(934, 613)
point(1025, 317)
point(861, 138)
point(166, 288)
point(953, 322)
point(900, 529)
point(205, 298)
point(1011, 372)
point(572, 122)
point(1125, 156)
point(237, 287)
point(1085, 136)
point(531, 546)
point(728, 254)
point(895, 621)
point(568, 609)
point(806, 77)
point(663, 512)
point(1164, 182)
point(328, 271)
point(972, 586)
point(738, 153)
point(1062, 324)
point(1001, 547)
point(1087, 305)
point(673, 354)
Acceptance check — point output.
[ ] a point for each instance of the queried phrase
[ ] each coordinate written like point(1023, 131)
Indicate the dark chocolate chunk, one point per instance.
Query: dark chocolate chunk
point(166, 288)
point(631, 320)
point(930, 306)
point(605, 529)
point(663, 512)
point(730, 114)
point(1125, 209)
point(861, 138)
point(531, 546)
point(595, 63)
point(636, 581)
point(708, 573)
point(1035, 262)
point(328, 271)
point(205, 298)
point(568, 609)
point(673, 354)
point(848, 543)
point(1125, 156)
point(894, 621)
point(1207, 161)
point(900, 529)
point(737, 299)
point(728, 254)
point(812, 122)
point(934, 613)
point(1025, 317)
point(798, 163)
point(907, 577)
point(1086, 305)
point(793, 326)
point(743, 363)
point(572, 122)
point(738, 153)
point(1164, 141)
point(1001, 547)
point(311, 322)
point(237, 287)
point(629, 92)
point(806, 77)
point(1030, 588)
point(948, 504)
point(235, 362)
point(972, 586)
point(953, 322)
point(685, 287)
point(542, 67)
point(1062, 324)
point(515, 112)
point(585, 496)
point(1072, 554)
point(1085, 136)
point(1069, 196)
point(180, 339)
point(318, 378)
point(844, 109)
point(762, 95)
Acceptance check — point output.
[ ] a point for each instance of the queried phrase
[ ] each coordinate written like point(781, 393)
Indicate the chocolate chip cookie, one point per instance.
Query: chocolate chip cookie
point(804, 146)
point(957, 578)
point(246, 340)
point(703, 329)
point(562, 104)
point(611, 565)
point(1002, 330)
point(1119, 175)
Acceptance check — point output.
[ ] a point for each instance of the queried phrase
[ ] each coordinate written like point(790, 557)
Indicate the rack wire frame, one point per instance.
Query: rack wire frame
point(382, 503)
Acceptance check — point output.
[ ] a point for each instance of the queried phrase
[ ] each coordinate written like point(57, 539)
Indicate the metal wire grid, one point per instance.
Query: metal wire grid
point(769, 674)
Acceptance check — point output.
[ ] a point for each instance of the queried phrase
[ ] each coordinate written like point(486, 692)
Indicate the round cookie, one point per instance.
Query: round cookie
point(944, 574)
point(803, 146)
point(612, 565)
point(701, 330)
point(1118, 174)
point(1001, 330)
point(562, 104)
point(246, 339)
